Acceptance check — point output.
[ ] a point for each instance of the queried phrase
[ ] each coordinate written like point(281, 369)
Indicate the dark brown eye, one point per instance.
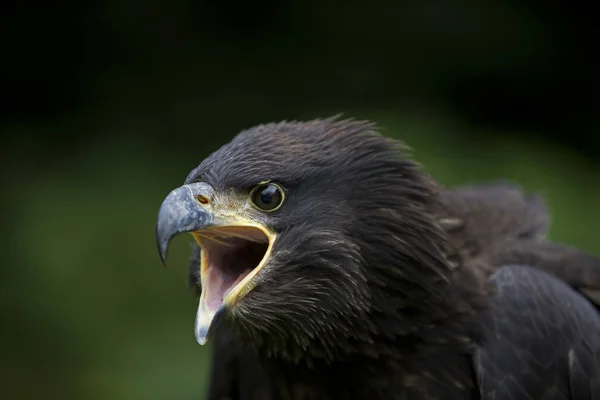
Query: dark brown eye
point(267, 197)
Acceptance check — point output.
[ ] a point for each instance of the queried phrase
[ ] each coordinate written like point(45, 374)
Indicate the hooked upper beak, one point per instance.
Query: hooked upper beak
point(181, 212)
point(233, 249)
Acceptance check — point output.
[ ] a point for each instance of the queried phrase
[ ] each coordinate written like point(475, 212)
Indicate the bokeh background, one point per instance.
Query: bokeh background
point(107, 105)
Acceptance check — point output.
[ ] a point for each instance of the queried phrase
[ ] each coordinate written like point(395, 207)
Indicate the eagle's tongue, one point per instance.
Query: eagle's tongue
point(238, 280)
point(218, 284)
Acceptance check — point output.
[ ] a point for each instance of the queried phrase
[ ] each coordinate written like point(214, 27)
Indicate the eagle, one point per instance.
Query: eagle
point(495, 224)
point(332, 267)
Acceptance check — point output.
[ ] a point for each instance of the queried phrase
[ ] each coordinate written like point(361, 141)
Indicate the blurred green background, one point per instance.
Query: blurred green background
point(108, 105)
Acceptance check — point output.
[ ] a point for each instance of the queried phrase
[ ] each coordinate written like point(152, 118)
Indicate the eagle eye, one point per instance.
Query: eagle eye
point(267, 196)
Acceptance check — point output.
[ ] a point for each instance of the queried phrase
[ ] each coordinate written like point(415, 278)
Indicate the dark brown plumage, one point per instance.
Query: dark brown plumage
point(497, 224)
point(493, 225)
point(376, 289)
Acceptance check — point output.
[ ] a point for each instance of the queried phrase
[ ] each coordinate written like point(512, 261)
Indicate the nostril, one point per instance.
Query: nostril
point(202, 199)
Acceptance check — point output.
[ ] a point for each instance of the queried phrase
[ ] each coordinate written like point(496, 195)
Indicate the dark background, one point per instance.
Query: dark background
point(107, 105)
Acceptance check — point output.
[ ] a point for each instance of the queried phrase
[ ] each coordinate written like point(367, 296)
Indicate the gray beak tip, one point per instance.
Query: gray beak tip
point(163, 249)
point(166, 229)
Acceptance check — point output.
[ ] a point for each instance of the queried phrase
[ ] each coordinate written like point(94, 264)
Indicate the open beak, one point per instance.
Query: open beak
point(233, 250)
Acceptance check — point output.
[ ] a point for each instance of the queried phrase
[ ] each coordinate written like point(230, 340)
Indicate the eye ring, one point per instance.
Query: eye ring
point(267, 196)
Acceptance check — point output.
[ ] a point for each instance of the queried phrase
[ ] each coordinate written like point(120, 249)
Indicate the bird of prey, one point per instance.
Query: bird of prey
point(492, 224)
point(331, 261)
